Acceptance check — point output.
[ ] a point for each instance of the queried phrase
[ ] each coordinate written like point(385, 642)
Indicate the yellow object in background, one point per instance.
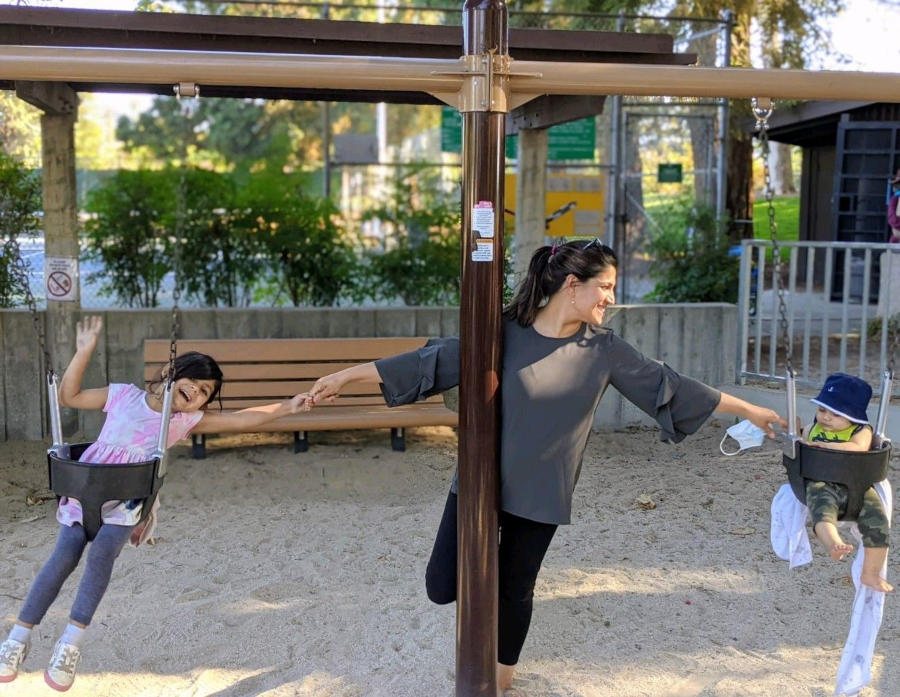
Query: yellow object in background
point(588, 191)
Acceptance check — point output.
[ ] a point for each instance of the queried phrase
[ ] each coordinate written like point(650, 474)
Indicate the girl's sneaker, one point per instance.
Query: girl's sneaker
point(63, 662)
point(12, 653)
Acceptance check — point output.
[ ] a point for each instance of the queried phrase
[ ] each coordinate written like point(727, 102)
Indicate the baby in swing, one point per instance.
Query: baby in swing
point(841, 423)
point(129, 434)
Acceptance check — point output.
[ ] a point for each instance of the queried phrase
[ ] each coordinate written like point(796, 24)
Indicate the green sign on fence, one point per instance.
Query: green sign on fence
point(568, 141)
point(669, 173)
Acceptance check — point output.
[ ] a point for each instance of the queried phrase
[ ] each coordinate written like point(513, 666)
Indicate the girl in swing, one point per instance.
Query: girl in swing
point(557, 363)
point(129, 434)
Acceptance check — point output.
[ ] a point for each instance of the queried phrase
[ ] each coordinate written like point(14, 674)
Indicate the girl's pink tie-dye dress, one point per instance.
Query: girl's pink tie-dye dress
point(129, 434)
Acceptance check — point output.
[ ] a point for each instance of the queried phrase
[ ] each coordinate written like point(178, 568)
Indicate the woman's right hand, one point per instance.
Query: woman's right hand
point(327, 388)
point(88, 332)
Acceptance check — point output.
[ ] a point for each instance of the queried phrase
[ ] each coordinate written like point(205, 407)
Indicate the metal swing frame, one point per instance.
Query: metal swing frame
point(858, 471)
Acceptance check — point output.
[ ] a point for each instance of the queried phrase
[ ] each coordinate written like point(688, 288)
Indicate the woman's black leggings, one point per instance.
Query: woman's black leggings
point(523, 544)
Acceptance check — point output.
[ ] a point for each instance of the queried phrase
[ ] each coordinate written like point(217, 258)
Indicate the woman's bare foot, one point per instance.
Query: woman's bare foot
point(840, 550)
point(876, 583)
point(504, 681)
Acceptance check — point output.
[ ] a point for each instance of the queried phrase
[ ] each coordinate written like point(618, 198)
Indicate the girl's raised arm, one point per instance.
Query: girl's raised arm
point(70, 392)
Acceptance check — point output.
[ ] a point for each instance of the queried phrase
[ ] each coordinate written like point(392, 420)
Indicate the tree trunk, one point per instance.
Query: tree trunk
point(633, 205)
point(703, 130)
point(739, 196)
point(782, 169)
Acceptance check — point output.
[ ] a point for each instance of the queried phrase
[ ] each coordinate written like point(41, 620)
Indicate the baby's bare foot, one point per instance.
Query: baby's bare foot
point(840, 550)
point(876, 582)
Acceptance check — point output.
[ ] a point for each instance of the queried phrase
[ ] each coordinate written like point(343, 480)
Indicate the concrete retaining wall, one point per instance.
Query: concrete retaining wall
point(696, 339)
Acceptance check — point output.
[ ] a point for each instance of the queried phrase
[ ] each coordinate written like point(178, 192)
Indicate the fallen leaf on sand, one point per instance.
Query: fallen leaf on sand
point(38, 497)
point(645, 502)
point(741, 531)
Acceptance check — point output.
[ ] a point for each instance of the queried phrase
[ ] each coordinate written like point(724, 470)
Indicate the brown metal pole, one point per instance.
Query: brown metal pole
point(483, 158)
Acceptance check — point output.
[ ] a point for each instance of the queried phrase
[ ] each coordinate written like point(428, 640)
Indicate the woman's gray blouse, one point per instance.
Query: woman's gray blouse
point(550, 389)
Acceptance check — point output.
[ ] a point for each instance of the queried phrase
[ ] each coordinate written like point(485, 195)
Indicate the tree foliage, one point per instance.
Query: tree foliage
point(130, 234)
point(311, 259)
point(20, 129)
point(420, 220)
point(20, 201)
point(691, 260)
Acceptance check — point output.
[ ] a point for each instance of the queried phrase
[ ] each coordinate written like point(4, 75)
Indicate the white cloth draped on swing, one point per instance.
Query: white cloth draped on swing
point(790, 541)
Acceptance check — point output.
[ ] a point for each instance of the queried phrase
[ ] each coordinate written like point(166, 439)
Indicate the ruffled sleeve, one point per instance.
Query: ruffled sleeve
point(414, 375)
point(181, 424)
point(679, 404)
point(114, 394)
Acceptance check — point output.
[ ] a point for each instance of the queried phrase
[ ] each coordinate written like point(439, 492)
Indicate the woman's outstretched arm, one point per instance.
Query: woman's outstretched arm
point(763, 417)
point(328, 387)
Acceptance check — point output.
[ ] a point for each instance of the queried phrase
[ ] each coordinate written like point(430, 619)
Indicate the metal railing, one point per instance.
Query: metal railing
point(834, 323)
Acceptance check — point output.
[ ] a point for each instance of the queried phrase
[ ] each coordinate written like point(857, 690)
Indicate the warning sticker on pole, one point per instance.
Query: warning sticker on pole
point(483, 218)
point(60, 278)
point(483, 250)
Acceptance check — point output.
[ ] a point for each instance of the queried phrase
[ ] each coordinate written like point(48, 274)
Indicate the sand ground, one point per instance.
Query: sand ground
point(302, 575)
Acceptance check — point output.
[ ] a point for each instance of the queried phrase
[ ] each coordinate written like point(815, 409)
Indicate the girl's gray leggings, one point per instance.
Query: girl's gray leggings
point(69, 546)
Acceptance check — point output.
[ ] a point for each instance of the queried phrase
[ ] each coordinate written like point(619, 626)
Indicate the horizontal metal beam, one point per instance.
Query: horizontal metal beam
point(140, 66)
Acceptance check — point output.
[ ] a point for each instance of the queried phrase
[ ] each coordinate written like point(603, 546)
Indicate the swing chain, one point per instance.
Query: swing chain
point(762, 110)
point(19, 271)
point(188, 108)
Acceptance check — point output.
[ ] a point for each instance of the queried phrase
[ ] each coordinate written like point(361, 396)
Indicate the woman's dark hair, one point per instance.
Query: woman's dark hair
point(548, 269)
point(196, 366)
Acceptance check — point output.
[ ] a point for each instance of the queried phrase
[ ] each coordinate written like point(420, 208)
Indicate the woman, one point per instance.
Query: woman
point(557, 362)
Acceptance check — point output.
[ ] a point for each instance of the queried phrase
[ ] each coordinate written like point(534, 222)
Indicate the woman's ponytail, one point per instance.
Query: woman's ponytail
point(530, 295)
point(547, 271)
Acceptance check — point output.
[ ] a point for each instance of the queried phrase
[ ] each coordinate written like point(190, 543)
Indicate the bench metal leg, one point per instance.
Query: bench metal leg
point(398, 439)
point(301, 442)
point(198, 446)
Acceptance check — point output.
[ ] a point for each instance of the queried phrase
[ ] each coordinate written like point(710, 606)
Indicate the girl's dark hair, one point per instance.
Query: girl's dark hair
point(196, 366)
point(548, 269)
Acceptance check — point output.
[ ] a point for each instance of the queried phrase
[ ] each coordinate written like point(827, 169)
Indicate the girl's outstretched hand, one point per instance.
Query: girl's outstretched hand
point(300, 402)
point(87, 333)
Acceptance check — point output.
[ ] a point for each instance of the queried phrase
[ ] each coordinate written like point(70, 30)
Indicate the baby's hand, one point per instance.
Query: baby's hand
point(87, 333)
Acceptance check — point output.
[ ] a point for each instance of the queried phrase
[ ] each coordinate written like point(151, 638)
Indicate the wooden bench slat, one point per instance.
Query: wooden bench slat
point(284, 389)
point(343, 418)
point(225, 351)
point(264, 371)
point(256, 401)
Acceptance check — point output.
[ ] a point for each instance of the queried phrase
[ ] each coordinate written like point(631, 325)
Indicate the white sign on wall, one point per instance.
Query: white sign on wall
point(61, 278)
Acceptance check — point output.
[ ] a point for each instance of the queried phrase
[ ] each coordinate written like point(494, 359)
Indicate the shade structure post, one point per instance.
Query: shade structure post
point(483, 101)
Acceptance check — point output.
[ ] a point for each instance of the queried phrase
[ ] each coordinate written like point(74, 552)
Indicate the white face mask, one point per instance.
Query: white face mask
point(747, 435)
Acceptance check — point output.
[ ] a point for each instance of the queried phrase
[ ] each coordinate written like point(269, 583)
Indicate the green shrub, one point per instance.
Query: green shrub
point(309, 256)
point(421, 221)
point(20, 201)
point(221, 260)
point(691, 262)
point(129, 233)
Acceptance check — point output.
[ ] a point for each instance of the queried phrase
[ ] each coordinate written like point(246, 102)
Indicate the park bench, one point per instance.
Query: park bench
point(261, 371)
